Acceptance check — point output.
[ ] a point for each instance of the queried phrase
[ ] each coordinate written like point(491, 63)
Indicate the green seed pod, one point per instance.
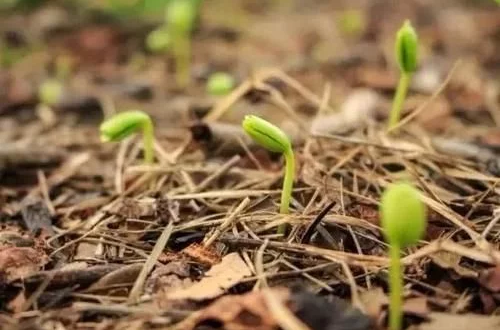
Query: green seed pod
point(403, 215)
point(158, 41)
point(266, 134)
point(181, 15)
point(407, 48)
point(220, 83)
point(50, 92)
point(123, 124)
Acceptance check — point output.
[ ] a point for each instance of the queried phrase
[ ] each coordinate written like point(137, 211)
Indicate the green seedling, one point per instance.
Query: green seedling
point(50, 92)
point(158, 41)
point(220, 83)
point(181, 17)
point(352, 22)
point(126, 123)
point(403, 218)
point(406, 54)
point(274, 139)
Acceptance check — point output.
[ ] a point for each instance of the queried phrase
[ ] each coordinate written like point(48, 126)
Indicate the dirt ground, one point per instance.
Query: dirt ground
point(92, 238)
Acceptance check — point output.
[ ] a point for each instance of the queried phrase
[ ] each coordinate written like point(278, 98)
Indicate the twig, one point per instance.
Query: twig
point(150, 263)
point(227, 222)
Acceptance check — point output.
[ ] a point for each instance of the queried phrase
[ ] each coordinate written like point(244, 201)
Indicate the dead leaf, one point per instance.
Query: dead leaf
point(490, 279)
point(374, 301)
point(243, 312)
point(173, 276)
point(37, 216)
point(201, 254)
point(447, 260)
point(229, 272)
point(20, 262)
point(416, 306)
point(442, 321)
point(123, 275)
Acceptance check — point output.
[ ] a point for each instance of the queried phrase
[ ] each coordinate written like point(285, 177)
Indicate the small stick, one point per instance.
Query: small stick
point(150, 263)
point(227, 222)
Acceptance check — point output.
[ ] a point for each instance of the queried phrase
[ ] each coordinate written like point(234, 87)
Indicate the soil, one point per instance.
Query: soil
point(93, 238)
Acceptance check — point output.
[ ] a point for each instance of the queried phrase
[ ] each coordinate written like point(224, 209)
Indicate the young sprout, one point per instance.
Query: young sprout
point(50, 92)
point(275, 140)
point(181, 17)
point(158, 41)
point(126, 123)
point(352, 22)
point(406, 54)
point(403, 218)
point(220, 83)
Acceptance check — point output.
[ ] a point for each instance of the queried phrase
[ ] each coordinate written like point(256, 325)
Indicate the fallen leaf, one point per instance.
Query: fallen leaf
point(242, 312)
point(442, 321)
point(374, 301)
point(37, 216)
point(201, 254)
point(20, 262)
point(417, 307)
point(173, 276)
point(321, 314)
point(123, 275)
point(490, 279)
point(447, 260)
point(229, 272)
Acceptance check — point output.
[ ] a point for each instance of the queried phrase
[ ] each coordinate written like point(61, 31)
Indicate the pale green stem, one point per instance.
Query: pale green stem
point(148, 141)
point(396, 288)
point(286, 192)
point(182, 50)
point(399, 98)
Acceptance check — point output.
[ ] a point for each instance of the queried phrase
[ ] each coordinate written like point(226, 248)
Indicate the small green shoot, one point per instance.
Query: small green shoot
point(403, 218)
point(126, 123)
point(406, 53)
point(50, 92)
point(220, 83)
point(274, 139)
point(352, 22)
point(181, 17)
point(158, 41)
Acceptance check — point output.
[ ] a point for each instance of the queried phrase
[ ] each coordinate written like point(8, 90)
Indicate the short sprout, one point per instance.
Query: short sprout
point(158, 41)
point(220, 83)
point(181, 17)
point(275, 140)
point(50, 92)
point(126, 123)
point(352, 22)
point(407, 48)
point(403, 214)
point(403, 218)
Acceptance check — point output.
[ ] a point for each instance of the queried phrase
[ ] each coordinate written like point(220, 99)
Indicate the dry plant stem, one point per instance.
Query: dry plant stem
point(399, 98)
point(150, 262)
point(396, 285)
point(227, 222)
